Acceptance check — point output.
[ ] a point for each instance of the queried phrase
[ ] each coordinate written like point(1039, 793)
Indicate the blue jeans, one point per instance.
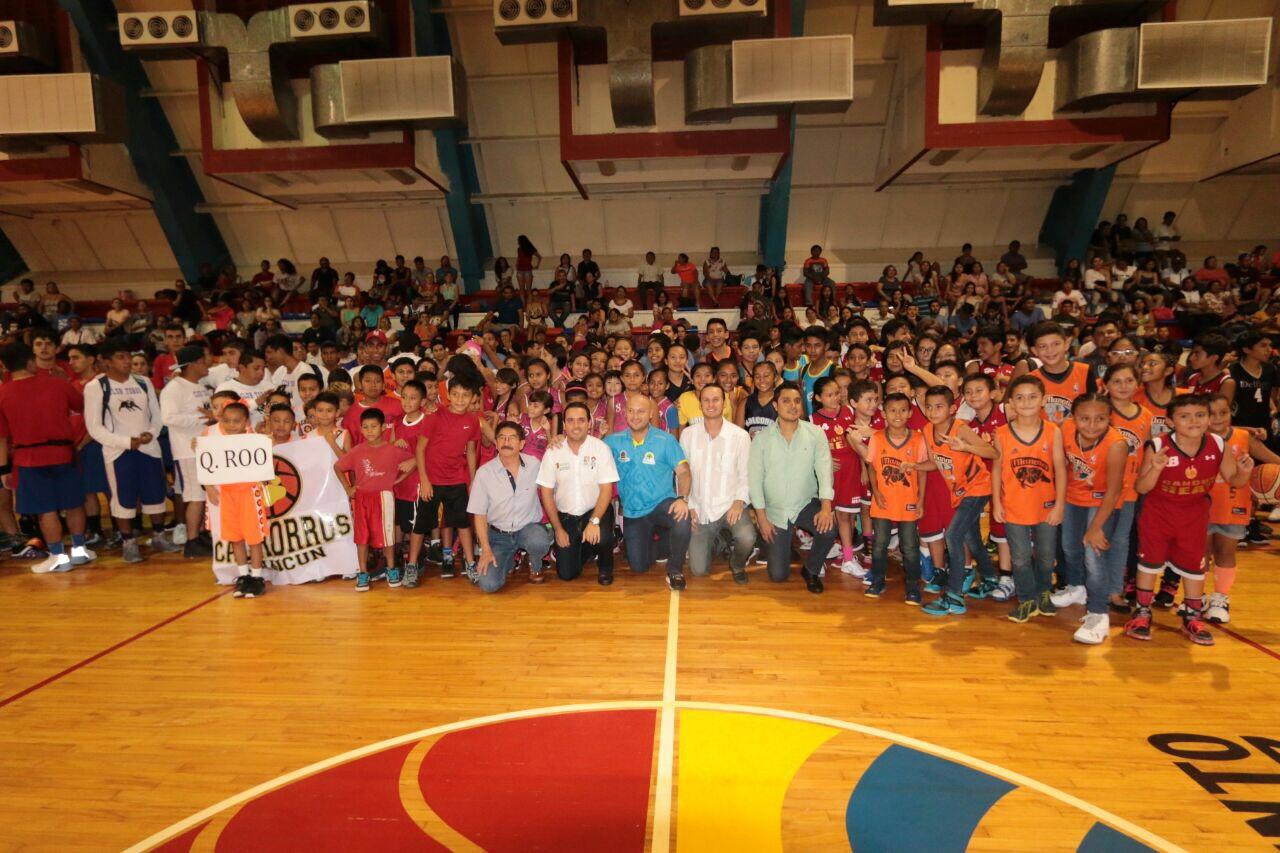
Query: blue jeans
point(533, 538)
point(908, 543)
point(966, 529)
point(1117, 557)
point(779, 551)
point(1085, 566)
point(1032, 550)
point(637, 535)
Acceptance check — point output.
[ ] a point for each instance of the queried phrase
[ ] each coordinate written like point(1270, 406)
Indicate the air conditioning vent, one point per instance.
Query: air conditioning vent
point(509, 14)
point(327, 20)
point(6, 37)
point(724, 7)
point(1178, 55)
point(159, 29)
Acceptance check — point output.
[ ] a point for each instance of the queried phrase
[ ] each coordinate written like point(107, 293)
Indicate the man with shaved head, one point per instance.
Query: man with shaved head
point(654, 482)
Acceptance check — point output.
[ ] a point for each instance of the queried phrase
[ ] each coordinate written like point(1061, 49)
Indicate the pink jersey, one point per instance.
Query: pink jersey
point(535, 440)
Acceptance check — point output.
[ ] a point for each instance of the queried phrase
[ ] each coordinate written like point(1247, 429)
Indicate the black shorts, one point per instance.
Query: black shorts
point(411, 517)
point(453, 501)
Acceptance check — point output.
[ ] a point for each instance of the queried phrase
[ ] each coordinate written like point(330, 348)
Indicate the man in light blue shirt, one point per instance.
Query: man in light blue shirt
point(653, 484)
point(790, 480)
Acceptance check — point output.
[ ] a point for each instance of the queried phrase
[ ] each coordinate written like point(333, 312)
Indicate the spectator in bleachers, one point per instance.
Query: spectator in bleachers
point(1167, 237)
point(527, 260)
point(1144, 242)
point(78, 333)
point(816, 272)
point(1015, 261)
point(288, 282)
point(714, 273)
point(1211, 272)
point(117, 318)
point(264, 279)
point(888, 286)
point(324, 279)
point(649, 280)
point(587, 265)
point(26, 294)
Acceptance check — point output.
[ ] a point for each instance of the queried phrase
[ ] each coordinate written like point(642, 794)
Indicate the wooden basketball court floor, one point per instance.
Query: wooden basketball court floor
point(144, 706)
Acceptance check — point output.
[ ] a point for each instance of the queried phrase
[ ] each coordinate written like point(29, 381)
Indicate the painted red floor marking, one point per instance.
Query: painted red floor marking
point(138, 636)
point(1242, 638)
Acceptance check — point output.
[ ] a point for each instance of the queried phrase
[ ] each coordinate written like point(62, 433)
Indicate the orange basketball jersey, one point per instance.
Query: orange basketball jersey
point(965, 472)
point(1136, 431)
point(1061, 389)
point(1229, 505)
point(1027, 491)
point(1087, 468)
point(897, 480)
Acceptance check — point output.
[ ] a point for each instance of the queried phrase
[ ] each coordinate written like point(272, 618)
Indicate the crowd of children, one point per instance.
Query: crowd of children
point(1029, 468)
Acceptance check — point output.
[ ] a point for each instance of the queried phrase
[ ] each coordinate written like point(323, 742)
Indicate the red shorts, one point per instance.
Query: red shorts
point(937, 507)
point(1175, 536)
point(997, 531)
point(375, 517)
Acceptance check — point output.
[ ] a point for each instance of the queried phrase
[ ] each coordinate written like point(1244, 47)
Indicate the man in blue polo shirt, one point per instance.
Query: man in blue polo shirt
point(654, 481)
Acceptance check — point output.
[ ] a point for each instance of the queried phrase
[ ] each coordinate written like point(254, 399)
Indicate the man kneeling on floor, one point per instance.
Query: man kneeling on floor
point(507, 512)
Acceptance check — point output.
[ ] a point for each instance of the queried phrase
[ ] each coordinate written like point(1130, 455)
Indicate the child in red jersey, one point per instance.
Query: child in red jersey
point(372, 384)
point(988, 416)
point(1230, 507)
point(1209, 376)
point(1177, 476)
point(447, 453)
point(411, 518)
point(864, 397)
point(836, 422)
point(373, 469)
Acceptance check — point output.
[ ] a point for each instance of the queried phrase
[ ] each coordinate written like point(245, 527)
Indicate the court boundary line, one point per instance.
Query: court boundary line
point(1099, 813)
point(665, 784)
point(1236, 635)
point(99, 655)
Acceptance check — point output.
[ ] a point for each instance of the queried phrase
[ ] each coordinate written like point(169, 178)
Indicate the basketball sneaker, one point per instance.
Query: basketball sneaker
point(1024, 611)
point(1093, 630)
point(255, 587)
point(853, 567)
point(178, 534)
point(362, 582)
point(1219, 609)
point(241, 585)
point(435, 553)
point(162, 544)
point(1045, 604)
point(411, 575)
point(130, 551)
point(1165, 597)
point(875, 590)
point(81, 555)
point(984, 588)
point(675, 582)
point(1196, 630)
point(394, 578)
point(1068, 596)
point(945, 605)
point(1139, 626)
point(1004, 589)
point(913, 597)
point(53, 563)
point(447, 569)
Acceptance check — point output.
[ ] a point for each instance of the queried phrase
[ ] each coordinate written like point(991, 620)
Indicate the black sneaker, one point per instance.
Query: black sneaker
point(255, 587)
point(605, 580)
point(675, 582)
point(739, 575)
point(1256, 537)
point(1164, 599)
point(242, 583)
point(434, 553)
point(875, 590)
point(812, 582)
point(195, 549)
point(446, 566)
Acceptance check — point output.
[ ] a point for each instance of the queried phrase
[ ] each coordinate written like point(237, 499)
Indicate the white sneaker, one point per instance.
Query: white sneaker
point(836, 550)
point(853, 567)
point(178, 536)
point(1094, 629)
point(1004, 589)
point(1275, 514)
point(1219, 609)
point(52, 563)
point(806, 541)
point(81, 555)
point(1068, 596)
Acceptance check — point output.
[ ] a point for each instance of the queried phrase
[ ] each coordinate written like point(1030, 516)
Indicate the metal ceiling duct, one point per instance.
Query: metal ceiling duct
point(258, 80)
point(1099, 69)
point(348, 98)
point(39, 111)
point(628, 30)
point(708, 84)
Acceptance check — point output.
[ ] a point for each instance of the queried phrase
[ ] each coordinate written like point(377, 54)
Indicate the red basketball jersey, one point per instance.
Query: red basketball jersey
point(1185, 481)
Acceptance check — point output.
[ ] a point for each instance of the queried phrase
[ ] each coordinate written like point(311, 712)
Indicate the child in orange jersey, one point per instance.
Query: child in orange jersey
point(1096, 463)
point(1063, 379)
point(1029, 494)
point(895, 457)
point(958, 452)
point(1230, 508)
point(242, 512)
point(1134, 423)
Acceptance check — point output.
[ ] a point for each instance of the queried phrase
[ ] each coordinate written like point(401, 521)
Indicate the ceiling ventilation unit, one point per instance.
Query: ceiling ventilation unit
point(159, 29)
point(328, 20)
point(540, 13)
point(691, 8)
point(24, 46)
point(1188, 55)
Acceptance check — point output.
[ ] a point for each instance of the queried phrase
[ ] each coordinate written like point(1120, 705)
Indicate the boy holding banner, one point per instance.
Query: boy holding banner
point(242, 512)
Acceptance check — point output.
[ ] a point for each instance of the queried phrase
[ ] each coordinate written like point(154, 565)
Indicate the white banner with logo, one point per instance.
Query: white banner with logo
point(309, 535)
